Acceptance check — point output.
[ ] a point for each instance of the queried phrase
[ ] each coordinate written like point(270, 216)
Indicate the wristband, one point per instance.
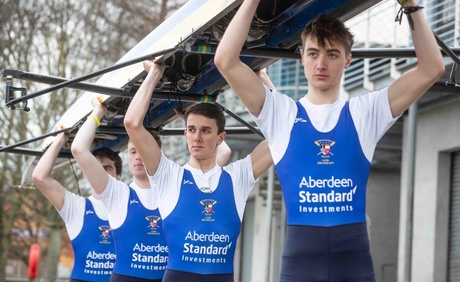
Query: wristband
point(407, 11)
point(412, 9)
point(98, 122)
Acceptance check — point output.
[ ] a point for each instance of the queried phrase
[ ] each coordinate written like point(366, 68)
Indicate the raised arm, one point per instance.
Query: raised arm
point(239, 76)
point(41, 176)
point(261, 159)
point(145, 143)
point(81, 149)
point(413, 84)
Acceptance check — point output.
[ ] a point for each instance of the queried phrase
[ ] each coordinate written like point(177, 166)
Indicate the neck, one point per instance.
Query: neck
point(321, 96)
point(203, 165)
point(143, 183)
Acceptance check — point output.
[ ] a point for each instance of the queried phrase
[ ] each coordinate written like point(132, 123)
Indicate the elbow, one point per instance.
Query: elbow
point(77, 150)
point(131, 123)
point(128, 121)
point(435, 69)
point(74, 149)
point(222, 63)
point(38, 178)
point(431, 72)
point(441, 70)
point(218, 61)
point(436, 72)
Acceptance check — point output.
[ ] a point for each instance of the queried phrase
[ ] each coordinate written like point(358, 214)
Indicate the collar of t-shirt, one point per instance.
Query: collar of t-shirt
point(206, 182)
point(323, 117)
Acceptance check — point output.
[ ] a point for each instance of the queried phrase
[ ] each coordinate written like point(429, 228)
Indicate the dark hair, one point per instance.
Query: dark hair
point(328, 28)
point(208, 110)
point(111, 155)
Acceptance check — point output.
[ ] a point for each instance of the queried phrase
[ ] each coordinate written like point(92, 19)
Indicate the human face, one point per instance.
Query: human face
point(324, 66)
point(202, 136)
point(109, 166)
point(136, 166)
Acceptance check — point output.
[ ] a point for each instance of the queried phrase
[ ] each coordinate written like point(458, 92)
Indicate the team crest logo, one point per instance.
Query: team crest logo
point(153, 223)
point(105, 233)
point(208, 209)
point(325, 150)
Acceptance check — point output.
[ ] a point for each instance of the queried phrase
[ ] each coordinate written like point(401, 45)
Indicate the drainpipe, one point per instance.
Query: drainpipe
point(282, 235)
point(407, 198)
point(270, 189)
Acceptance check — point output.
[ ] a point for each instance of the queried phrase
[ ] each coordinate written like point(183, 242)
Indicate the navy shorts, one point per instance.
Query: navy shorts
point(115, 277)
point(333, 254)
point(176, 276)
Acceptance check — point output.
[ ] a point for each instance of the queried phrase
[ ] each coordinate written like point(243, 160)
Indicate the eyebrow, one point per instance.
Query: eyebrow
point(332, 50)
point(203, 127)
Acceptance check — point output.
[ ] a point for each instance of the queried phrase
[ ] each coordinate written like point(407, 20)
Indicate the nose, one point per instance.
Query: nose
point(321, 62)
point(197, 136)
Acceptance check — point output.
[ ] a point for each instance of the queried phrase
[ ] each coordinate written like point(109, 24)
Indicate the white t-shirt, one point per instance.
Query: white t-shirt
point(116, 196)
point(73, 212)
point(371, 115)
point(168, 180)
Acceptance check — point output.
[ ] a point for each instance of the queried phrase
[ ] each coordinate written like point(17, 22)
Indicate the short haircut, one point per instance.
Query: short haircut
point(326, 28)
point(209, 110)
point(111, 155)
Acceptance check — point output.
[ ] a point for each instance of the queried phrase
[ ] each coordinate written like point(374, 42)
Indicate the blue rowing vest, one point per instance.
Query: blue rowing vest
point(202, 230)
point(140, 243)
point(94, 249)
point(324, 175)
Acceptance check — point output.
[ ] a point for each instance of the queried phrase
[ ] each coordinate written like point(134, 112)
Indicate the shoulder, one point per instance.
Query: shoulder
point(239, 167)
point(370, 97)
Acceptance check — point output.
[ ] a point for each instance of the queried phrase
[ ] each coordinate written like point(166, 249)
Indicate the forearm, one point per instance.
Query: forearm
point(140, 103)
point(142, 140)
point(41, 175)
point(85, 136)
point(239, 76)
point(410, 86)
point(426, 48)
point(89, 164)
point(45, 165)
point(229, 49)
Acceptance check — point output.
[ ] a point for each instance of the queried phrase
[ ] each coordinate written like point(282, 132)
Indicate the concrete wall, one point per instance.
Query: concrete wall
point(383, 192)
point(438, 135)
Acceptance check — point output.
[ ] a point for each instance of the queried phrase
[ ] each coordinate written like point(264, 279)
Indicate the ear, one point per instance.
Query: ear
point(348, 60)
point(221, 137)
